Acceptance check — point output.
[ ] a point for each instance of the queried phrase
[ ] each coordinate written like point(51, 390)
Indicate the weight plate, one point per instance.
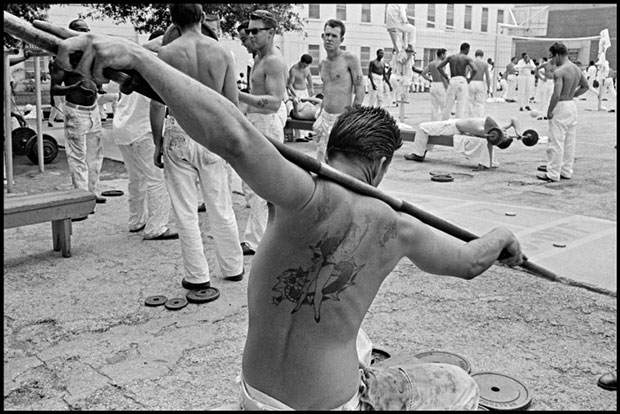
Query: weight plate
point(50, 149)
point(434, 173)
point(501, 392)
point(112, 193)
point(559, 244)
point(530, 138)
point(20, 137)
point(444, 357)
point(202, 295)
point(505, 143)
point(510, 214)
point(442, 178)
point(495, 136)
point(175, 303)
point(157, 300)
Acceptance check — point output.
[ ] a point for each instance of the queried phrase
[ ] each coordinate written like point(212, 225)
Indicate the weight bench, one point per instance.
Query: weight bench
point(58, 207)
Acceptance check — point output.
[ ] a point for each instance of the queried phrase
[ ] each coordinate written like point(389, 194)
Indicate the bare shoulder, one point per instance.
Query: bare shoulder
point(350, 58)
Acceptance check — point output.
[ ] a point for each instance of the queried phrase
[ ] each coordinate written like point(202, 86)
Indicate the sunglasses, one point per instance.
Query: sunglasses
point(256, 30)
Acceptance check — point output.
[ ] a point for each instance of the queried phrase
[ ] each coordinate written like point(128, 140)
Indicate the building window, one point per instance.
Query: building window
point(314, 11)
point(313, 50)
point(430, 20)
point(411, 13)
point(500, 16)
point(450, 16)
point(468, 17)
point(365, 59)
point(484, 25)
point(341, 11)
point(366, 13)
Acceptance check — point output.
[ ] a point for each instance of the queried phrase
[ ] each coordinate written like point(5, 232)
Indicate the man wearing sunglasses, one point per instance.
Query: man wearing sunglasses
point(267, 91)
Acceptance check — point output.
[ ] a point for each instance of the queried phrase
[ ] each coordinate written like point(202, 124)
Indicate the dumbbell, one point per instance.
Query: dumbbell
point(495, 136)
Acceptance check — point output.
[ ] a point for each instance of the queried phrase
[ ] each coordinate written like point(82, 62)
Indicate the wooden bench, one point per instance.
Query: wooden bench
point(58, 207)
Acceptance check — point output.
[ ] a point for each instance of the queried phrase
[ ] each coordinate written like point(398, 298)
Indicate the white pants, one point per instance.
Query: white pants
point(184, 161)
point(546, 91)
point(524, 84)
point(607, 86)
point(83, 145)
point(270, 126)
point(457, 90)
point(511, 87)
point(562, 137)
point(401, 87)
point(149, 203)
point(438, 100)
point(322, 127)
point(477, 98)
point(56, 110)
point(375, 97)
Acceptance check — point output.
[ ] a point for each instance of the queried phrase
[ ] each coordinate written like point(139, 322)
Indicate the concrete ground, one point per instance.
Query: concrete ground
point(78, 336)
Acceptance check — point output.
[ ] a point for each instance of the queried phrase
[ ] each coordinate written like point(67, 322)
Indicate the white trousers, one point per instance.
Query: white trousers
point(544, 98)
point(525, 92)
point(401, 87)
point(375, 97)
point(322, 127)
point(83, 146)
point(149, 203)
point(270, 126)
point(562, 137)
point(511, 87)
point(477, 99)
point(438, 100)
point(457, 90)
point(185, 161)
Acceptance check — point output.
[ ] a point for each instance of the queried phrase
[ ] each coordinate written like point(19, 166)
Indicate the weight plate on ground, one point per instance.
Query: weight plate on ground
point(530, 138)
point(444, 357)
point(501, 392)
point(442, 178)
point(50, 149)
point(558, 244)
point(112, 193)
point(19, 139)
point(202, 295)
point(175, 303)
point(156, 300)
point(434, 173)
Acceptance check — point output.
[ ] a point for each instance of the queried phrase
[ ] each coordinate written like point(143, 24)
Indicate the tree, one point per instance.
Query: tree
point(26, 11)
point(147, 18)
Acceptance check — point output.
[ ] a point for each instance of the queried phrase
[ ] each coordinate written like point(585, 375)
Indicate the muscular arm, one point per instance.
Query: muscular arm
point(425, 73)
point(310, 83)
point(156, 114)
point(472, 67)
point(583, 86)
point(206, 116)
point(56, 82)
point(558, 84)
point(370, 66)
point(290, 82)
point(276, 89)
point(441, 69)
point(438, 253)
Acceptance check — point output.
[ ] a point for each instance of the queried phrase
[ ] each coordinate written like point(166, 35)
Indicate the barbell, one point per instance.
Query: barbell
point(495, 136)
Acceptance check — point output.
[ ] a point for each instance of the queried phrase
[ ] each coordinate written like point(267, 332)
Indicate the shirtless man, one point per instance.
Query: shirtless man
point(83, 130)
point(479, 86)
point(300, 83)
point(510, 75)
point(439, 85)
point(376, 76)
point(184, 161)
point(463, 132)
point(300, 79)
point(301, 353)
point(569, 82)
point(458, 83)
point(267, 92)
point(341, 73)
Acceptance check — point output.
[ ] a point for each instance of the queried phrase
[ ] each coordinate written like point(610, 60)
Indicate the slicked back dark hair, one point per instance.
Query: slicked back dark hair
point(333, 23)
point(365, 131)
point(306, 58)
point(185, 14)
point(558, 49)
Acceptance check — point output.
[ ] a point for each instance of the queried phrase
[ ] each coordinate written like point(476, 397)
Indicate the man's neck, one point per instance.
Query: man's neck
point(334, 53)
point(265, 50)
point(353, 169)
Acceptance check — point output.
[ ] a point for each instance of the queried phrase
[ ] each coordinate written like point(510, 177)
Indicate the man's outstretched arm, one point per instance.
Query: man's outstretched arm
point(208, 117)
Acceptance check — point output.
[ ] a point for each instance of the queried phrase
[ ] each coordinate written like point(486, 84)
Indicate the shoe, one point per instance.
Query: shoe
point(545, 177)
point(528, 108)
point(138, 229)
point(612, 110)
point(542, 168)
point(195, 286)
point(167, 235)
point(101, 200)
point(49, 124)
point(247, 251)
point(415, 157)
point(202, 208)
point(235, 278)
point(608, 381)
point(521, 109)
point(74, 219)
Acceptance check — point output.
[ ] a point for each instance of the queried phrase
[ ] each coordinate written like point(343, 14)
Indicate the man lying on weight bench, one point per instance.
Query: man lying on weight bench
point(466, 133)
point(325, 253)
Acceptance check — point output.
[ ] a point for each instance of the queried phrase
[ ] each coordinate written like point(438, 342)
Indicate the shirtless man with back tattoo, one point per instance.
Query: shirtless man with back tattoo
point(341, 73)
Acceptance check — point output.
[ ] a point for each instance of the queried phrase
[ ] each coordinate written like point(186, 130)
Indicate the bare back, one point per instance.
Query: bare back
point(570, 75)
point(458, 64)
point(481, 70)
point(313, 278)
point(339, 75)
point(203, 59)
point(435, 74)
